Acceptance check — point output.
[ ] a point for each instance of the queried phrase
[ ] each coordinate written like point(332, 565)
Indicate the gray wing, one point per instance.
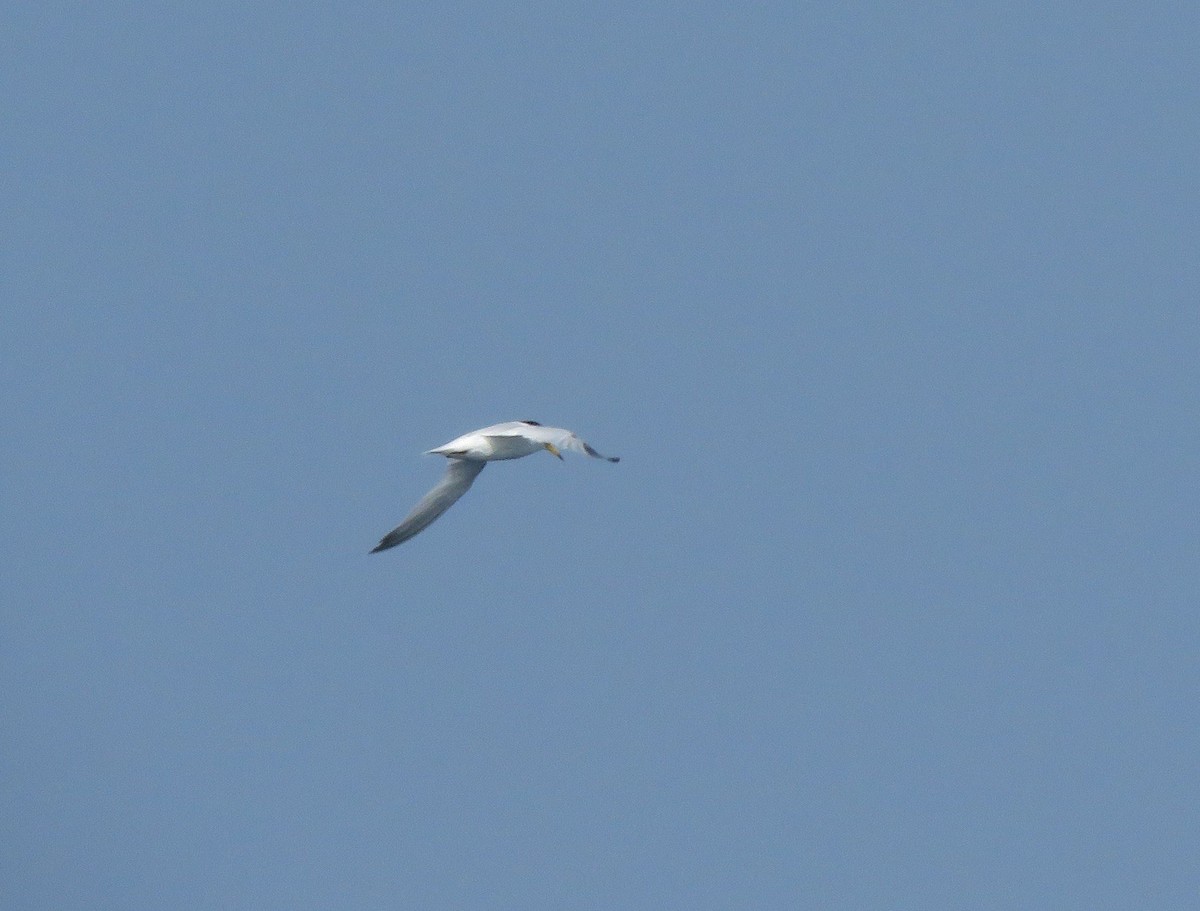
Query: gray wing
point(557, 436)
point(459, 477)
point(578, 444)
point(564, 439)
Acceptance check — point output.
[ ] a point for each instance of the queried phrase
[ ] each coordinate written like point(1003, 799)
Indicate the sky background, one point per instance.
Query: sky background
point(892, 311)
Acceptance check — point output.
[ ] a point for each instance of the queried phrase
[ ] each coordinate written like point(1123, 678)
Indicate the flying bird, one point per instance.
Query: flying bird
point(469, 454)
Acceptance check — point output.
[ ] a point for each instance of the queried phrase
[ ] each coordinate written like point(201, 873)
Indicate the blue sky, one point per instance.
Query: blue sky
point(892, 312)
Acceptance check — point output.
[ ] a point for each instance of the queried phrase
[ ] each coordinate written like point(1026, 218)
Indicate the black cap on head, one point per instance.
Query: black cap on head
point(532, 423)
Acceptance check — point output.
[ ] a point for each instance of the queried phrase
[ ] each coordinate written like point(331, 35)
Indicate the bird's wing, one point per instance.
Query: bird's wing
point(564, 439)
point(459, 476)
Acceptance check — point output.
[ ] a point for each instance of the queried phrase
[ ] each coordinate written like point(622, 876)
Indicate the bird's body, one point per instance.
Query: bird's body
point(511, 440)
point(469, 454)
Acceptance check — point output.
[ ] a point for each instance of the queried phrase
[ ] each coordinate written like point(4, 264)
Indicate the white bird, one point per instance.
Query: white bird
point(468, 454)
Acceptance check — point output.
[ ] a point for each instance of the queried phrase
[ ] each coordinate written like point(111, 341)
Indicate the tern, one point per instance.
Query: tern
point(468, 454)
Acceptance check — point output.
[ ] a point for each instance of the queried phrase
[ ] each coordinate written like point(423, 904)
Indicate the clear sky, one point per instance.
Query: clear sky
point(892, 311)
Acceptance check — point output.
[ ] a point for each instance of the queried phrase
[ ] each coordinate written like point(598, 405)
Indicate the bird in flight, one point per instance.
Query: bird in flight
point(469, 454)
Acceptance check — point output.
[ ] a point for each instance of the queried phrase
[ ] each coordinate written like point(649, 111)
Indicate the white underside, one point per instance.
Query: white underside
point(480, 447)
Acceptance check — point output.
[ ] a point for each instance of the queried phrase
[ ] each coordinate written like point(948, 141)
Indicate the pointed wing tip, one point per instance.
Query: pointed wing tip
point(597, 455)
